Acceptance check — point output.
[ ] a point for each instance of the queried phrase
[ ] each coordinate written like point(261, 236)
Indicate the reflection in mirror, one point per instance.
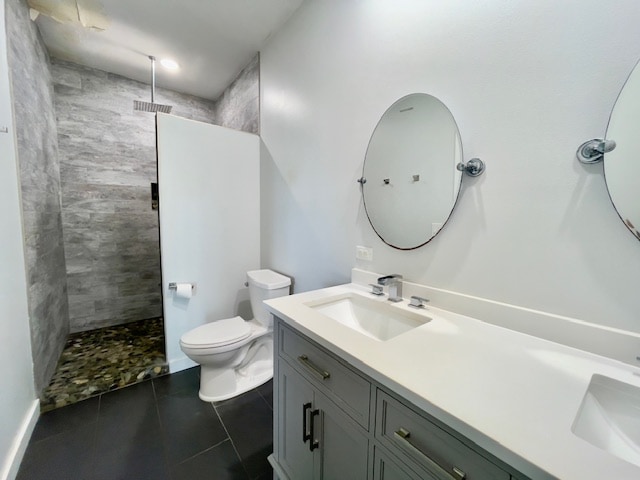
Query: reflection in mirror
point(622, 165)
point(410, 182)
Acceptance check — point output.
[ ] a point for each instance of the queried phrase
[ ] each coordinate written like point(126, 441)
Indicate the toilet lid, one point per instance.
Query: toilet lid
point(218, 333)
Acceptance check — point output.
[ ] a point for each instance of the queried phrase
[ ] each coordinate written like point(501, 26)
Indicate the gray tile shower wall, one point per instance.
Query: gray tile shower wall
point(40, 183)
point(239, 105)
point(107, 163)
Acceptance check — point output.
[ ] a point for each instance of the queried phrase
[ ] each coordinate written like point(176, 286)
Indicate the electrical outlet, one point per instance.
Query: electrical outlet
point(364, 253)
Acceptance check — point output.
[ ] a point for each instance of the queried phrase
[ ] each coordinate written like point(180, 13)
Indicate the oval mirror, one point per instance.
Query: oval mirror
point(410, 182)
point(622, 165)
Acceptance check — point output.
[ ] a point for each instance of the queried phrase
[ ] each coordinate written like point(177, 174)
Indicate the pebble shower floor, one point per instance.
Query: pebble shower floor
point(98, 361)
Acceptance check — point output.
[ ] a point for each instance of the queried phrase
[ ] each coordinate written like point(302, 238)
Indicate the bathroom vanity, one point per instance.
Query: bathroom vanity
point(431, 394)
point(335, 422)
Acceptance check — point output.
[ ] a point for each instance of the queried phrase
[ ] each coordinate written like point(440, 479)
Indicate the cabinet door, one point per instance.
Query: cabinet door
point(342, 447)
point(294, 455)
point(343, 452)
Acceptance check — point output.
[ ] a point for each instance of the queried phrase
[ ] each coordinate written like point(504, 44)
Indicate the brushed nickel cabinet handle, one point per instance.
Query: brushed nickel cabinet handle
point(313, 444)
point(459, 473)
point(305, 435)
point(313, 368)
point(402, 437)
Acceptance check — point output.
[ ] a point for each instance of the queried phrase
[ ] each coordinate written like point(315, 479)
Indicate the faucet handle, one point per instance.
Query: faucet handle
point(418, 302)
point(376, 289)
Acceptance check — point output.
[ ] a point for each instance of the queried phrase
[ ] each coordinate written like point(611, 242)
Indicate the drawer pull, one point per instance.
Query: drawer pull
point(313, 368)
point(459, 473)
point(402, 437)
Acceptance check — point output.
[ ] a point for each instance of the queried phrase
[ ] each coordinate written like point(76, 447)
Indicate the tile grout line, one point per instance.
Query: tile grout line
point(215, 409)
point(265, 400)
point(94, 439)
point(228, 439)
point(167, 463)
point(66, 431)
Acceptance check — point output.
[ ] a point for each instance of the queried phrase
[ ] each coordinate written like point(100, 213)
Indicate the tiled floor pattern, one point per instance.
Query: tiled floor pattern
point(98, 361)
point(158, 429)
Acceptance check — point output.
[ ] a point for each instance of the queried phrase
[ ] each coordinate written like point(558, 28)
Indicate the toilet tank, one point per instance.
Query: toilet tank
point(263, 285)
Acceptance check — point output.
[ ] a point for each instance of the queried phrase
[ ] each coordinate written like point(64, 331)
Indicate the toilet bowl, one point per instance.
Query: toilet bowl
point(236, 355)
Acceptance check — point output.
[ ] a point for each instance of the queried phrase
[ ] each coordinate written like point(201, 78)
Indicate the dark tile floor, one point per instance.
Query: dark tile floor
point(158, 429)
point(98, 361)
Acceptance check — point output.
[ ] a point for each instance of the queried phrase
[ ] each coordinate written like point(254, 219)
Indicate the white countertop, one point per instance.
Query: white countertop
point(515, 395)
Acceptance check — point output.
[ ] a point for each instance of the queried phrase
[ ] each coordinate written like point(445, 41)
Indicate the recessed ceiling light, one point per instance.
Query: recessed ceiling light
point(169, 64)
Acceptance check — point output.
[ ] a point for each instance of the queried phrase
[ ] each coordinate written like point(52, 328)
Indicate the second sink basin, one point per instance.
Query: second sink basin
point(373, 318)
point(609, 418)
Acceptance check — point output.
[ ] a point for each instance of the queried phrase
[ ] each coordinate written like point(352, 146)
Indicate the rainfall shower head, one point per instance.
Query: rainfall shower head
point(152, 107)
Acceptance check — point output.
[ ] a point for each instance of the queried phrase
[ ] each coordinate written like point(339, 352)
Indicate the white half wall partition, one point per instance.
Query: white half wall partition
point(209, 185)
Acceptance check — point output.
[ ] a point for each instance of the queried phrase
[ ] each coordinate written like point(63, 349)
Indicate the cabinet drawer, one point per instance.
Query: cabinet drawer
point(386, 468)
point(347, 389)
point(406, 433)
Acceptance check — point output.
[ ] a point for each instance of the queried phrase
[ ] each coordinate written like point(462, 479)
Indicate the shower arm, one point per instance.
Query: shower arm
point(153, 77)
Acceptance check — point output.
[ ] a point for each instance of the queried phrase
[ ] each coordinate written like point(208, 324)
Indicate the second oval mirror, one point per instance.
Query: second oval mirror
point(621, 166)
point(410, 182)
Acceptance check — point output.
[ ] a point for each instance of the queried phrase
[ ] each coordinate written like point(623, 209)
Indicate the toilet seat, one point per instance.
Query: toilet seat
point(217, 334)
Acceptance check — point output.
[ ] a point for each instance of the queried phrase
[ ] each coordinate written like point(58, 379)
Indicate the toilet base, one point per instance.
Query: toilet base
point(252, 367)
point(217, 385)
point(242, 386)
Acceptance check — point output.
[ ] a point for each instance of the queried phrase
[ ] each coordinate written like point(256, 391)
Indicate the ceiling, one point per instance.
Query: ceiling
point(212, 40)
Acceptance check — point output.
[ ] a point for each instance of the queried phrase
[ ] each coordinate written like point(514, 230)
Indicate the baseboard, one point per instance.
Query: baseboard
point(278, 473)
point(20, 442)
point(182, 363)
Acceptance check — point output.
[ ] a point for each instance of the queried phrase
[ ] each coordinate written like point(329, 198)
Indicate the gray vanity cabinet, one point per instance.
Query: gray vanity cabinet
point(333, 422)
point(316, 440)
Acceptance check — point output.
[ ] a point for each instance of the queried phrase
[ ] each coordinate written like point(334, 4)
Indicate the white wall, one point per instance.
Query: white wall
point(18, 404)
point(527, 82)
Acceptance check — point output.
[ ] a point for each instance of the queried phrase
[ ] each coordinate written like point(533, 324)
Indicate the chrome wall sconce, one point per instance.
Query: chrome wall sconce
point(473, 167)
point(593, 151)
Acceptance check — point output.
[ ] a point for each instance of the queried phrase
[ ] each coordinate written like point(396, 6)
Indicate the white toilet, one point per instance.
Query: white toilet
point(237, 355)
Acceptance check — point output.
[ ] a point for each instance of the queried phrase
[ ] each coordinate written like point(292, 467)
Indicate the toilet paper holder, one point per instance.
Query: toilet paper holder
point(174, 286)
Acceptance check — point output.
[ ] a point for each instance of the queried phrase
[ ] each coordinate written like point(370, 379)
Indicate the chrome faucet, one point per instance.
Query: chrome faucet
point(394, 282)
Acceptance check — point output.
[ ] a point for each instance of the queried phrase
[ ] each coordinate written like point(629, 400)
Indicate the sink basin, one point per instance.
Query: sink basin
point(609, 418)
point(374, 318)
